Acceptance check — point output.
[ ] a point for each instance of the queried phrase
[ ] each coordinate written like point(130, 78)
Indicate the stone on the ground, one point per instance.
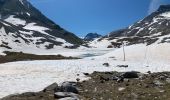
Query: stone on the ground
point(115, 78)
point(122, 66)
point(149, 72)
point(52, 87)
point(59, 95)
point(69, 98)
point(121, 88)
point(69, 87)
point(86, 74)
point(77, 79)
point(157, 83)
point(106, 64)
point(168, 80)
point(120, 79)
point(132, 74)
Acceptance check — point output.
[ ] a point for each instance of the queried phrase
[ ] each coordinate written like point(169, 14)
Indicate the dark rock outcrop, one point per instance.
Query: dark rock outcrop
point(132, 74)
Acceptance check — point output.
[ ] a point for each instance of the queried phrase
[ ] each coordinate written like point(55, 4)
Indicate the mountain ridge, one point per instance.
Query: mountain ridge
point(22, 25)
point(154, 28)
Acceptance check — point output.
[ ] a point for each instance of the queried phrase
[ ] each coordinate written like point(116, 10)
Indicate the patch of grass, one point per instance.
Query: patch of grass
point(19, 56)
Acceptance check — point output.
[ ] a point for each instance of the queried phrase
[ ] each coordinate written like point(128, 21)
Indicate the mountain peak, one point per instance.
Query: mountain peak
point(92, 36)
point(164, 8)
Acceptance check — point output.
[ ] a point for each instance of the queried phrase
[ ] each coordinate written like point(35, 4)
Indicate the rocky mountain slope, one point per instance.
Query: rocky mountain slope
point(154, 28)
point(23, 26)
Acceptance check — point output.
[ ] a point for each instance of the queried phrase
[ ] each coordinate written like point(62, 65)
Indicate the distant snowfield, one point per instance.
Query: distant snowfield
point(32, 76)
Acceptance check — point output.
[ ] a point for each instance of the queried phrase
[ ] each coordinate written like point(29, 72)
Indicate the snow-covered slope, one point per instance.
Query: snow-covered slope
point(22, 26)
point(25, 76)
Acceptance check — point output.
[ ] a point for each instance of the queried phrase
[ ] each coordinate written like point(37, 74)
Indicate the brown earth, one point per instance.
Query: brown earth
point(19, 56)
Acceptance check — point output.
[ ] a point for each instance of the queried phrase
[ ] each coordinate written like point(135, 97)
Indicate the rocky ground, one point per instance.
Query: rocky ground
point(19, 56)
point(107, 86)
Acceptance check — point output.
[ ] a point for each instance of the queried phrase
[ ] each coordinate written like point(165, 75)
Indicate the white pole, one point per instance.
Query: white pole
point(124, 52)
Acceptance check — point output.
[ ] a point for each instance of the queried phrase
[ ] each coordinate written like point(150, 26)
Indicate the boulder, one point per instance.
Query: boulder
point(132, 74)
point(120, 79)
point(110, 46)
point(52, 87)
point(69, 87)
point(63, 95)
point(86, 74)
point(115, 78)
point(69, 98)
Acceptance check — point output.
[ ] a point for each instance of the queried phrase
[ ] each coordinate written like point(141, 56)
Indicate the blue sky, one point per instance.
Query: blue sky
point(101, 16)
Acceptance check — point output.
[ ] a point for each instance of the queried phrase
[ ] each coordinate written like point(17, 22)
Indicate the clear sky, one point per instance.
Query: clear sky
point(101, 16)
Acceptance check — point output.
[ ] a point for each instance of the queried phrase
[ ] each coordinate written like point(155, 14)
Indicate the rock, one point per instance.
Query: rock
point(104, 79)
point(72, 47)
point(149, 72)
point(163, 78)
point(59, 95)
point(168, 80)
point(120, 79)
point(146, 86)
point(121, 88)
point(106, 64)
point(157, 83)
point(69, 87)
point(69, 98)
point(52, 87)
point(115, 78)
point(86, 74)
point(123, 66)
point(77, 79)
point(110, 46)
point(132, 74)
point(162, 91)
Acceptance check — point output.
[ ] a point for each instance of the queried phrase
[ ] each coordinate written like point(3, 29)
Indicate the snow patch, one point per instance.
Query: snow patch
point(167, 15)
point(15, 21)
point(34, 27)
point(21, 2)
